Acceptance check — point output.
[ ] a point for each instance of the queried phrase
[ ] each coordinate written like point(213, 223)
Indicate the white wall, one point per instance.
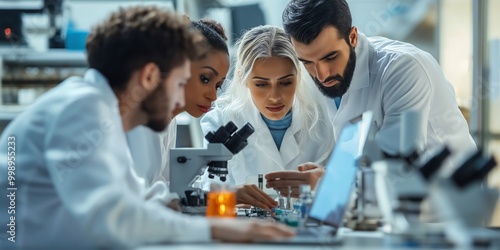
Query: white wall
point(456, 47)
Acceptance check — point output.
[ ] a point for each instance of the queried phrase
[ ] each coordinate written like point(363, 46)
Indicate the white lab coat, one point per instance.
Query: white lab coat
point(261, 156)
point(74, 176)
point(150, 151)
point(391, 77)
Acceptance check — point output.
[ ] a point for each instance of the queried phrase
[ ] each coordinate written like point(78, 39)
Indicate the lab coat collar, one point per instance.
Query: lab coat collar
point(289, 147)
point(361, 78)
point(262, 136)
point(351, 108)
point(95, 78)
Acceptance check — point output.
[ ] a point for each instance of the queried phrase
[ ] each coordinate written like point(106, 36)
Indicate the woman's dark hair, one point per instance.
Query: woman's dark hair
point(305, 19)
point(132, 37)
point(214, 34)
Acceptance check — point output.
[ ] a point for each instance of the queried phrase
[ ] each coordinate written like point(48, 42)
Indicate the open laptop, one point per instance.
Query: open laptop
point(336, 185)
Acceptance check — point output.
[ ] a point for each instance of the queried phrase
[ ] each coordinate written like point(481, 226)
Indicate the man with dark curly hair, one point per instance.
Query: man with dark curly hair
point(74, 186)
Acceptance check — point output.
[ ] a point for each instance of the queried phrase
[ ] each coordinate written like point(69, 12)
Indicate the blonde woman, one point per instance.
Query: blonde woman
point(286, 109)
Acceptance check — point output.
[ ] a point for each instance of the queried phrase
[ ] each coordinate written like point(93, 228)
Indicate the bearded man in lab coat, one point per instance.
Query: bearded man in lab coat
point(358, 73)
point(74, 185)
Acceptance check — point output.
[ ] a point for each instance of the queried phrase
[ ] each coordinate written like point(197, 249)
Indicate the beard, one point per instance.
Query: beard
point(344, 81)
point(156, 107)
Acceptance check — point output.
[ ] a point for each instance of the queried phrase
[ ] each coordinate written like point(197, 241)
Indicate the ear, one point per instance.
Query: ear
point(353, 36)
point(150, 76)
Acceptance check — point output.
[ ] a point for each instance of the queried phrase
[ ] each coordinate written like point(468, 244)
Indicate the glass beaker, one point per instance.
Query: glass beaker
point(221, 201)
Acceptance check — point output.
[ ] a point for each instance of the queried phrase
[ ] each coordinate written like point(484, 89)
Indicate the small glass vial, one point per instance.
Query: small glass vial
point(306, 199)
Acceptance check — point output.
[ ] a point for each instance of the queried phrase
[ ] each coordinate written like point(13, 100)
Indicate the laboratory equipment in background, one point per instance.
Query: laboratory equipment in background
point(25, 75)
point(365, 213)
point(402, 186)
point(186, 164)
point(464, 204)
point(12, 26)
point(407, 185)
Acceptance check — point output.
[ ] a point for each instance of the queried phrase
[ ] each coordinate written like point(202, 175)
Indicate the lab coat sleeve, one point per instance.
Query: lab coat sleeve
point(405, 86)
point(85, 153)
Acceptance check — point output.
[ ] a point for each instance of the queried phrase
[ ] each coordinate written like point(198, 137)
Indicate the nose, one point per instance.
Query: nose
point(322, 71)
point(211, 94)
point(274, 95)
point(180, 102)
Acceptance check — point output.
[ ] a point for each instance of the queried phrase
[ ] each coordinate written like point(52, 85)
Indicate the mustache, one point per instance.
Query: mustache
point(331, 78)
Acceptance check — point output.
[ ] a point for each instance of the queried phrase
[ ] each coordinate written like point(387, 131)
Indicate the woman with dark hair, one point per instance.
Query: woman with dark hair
point(150, 151)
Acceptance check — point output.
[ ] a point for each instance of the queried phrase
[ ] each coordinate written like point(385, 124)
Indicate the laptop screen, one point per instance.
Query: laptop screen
point(334, 190)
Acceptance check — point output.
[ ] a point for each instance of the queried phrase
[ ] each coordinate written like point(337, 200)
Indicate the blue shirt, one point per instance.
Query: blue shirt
point(337, 101)
point(278, 128)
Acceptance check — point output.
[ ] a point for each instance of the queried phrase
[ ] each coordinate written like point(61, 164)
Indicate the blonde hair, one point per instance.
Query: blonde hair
point(265, 42)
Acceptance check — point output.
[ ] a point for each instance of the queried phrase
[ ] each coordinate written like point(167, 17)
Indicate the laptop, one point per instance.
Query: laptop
point(336, 185)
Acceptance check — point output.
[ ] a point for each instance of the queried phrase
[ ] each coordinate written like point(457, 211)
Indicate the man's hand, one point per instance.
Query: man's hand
point(248, 230)
point(309, 173)
point(252, 195)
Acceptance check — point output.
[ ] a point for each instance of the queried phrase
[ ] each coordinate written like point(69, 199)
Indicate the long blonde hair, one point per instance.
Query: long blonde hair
point(265, 42)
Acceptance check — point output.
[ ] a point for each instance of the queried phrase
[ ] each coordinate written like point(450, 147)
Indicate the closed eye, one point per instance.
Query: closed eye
point(331, 58)
point(260, 85)
point(287, 83)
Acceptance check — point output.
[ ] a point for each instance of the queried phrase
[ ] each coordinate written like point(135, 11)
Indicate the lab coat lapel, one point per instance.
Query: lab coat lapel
point(290, 146)
point(264, 141)
point(355, 100)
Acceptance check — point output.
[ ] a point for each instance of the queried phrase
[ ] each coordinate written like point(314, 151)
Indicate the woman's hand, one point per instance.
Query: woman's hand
point(252, 195)
point(308, 173)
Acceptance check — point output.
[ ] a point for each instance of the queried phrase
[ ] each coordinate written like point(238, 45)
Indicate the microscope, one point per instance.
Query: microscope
point(186, 164)
point(401, 181)
point(401, 186)
point(465, 204)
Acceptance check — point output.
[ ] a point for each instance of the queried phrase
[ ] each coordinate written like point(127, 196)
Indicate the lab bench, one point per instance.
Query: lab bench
point(350, 240)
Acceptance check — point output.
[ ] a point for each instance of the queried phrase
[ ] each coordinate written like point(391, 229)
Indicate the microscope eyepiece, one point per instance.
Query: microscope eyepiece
point(473, 169)
point(233, 140)
point(222, 134)
point(435, 163)
point(246, 131)
point(239, 139)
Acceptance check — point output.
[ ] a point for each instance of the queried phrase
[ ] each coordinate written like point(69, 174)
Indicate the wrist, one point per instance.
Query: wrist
point(215, 229)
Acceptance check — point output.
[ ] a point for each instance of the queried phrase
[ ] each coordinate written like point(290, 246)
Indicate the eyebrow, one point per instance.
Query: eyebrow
point(267, 79)
point(332, 53)
point(212, 69)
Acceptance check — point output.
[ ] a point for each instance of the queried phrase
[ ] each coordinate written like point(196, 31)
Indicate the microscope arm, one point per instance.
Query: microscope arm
point(187, 163)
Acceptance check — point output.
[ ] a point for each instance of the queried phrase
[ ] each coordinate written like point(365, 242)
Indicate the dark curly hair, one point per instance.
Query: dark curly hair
point(213, 32)
point(132, 37)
